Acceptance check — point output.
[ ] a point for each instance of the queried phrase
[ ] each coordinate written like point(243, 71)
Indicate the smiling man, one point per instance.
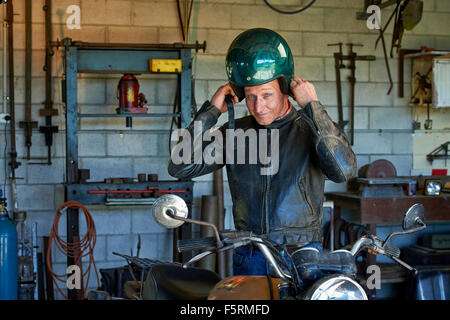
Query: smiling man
point(287, 204)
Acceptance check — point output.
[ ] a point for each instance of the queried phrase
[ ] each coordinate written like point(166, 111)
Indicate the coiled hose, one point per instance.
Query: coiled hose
point(76, 250)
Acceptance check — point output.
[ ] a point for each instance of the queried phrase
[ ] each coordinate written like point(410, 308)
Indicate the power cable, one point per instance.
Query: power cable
point(76, 250)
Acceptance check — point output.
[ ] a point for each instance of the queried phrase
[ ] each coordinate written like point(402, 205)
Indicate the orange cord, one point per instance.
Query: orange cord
point(76, 250)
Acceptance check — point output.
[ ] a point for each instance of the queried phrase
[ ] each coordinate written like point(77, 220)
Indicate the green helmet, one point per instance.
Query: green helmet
point(258, 56)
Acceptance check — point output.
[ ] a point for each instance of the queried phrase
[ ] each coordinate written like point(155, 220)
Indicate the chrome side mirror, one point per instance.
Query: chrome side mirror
point(168, 206)
point(414, 217)
point(413, 221)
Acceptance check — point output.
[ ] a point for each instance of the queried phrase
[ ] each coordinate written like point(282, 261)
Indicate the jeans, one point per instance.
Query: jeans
point(248, 260)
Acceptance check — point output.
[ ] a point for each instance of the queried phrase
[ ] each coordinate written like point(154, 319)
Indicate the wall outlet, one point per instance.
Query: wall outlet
point(5, 117)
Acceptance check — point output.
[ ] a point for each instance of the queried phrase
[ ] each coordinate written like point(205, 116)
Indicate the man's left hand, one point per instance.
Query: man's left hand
point(303, 91)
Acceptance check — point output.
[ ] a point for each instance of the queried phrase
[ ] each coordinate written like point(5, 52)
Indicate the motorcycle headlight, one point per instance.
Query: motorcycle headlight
point(433, 187)
point(336, 287)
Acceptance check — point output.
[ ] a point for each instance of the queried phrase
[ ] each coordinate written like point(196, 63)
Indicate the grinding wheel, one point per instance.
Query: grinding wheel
point(378, 169)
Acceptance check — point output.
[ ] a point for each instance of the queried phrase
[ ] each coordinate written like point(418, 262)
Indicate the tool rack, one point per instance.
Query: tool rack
point(82, 57)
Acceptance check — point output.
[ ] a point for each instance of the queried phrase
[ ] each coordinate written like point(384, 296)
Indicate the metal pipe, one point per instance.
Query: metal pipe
point(99, 45)
point(5, 67)
point(208, 214)
point(14, 164)
point(218, 192)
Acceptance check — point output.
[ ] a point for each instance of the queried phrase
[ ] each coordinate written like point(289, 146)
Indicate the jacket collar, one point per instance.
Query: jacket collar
point(281, 122)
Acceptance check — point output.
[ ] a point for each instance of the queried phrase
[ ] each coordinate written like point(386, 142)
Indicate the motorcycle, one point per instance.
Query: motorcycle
point(306, 274)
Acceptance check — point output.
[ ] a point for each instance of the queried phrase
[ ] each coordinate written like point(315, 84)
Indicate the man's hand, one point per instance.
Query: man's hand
point(303, 91)
point(218, 98)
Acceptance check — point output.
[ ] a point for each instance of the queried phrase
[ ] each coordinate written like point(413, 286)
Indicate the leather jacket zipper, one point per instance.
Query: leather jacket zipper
point(266, 194)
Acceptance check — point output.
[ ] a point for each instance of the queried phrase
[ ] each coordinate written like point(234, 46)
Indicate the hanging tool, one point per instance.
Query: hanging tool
point(424, 84)
point(339, 59)
point(437, 153)
point(338, 65)
point(48, 112)
point(28, 125)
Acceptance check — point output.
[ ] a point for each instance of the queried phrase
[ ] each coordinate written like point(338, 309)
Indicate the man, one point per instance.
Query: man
point(286, 203)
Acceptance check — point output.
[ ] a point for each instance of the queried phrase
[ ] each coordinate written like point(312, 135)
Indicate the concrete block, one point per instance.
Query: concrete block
point(201, 88)
point(232, 1)
point(91, 91)
point(132, 34)
point(362, 161)
point(441, 6)
point(334, 4)
point(120, 244)
point(343, 20)
point(433, 23)
point(294, 40)
point(402, 143)
point(102, 168)
point(36, 197)
point(91, 144)
point(94, 12)
point(109, 220)
point(430, 5)
point(372, 94)
point(254, 17)
point(85, 33)
point(390, 118)
point(158, 14)
point(210, 68)
point(361, 116)
point(311, 69)
point(131, 144)
point(309, 20)
point(219, 40)
point(326, 91)
point(47, 174)
point(378, 71)
point(213, 15)
point(316, 44)
point(413, 41)
point(142, 222)
point(118, 12)
point(372, 143)
point(166, 90)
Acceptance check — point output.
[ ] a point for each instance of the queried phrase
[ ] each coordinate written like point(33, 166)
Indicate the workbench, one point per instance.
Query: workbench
point(372, 211)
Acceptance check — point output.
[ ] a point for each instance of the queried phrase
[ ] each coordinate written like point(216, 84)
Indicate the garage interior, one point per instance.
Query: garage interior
point(81, 170)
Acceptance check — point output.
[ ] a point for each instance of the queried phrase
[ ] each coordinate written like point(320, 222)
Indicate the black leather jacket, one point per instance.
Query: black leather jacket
point(288, 204)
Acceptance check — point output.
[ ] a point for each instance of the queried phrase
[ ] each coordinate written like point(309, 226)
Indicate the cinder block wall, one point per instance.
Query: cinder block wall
point(109, 149)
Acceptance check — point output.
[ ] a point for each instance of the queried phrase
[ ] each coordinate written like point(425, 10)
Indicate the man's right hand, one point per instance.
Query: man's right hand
point(218, 99)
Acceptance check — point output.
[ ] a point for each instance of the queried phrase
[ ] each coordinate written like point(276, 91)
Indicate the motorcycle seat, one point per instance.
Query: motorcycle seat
point(173, 282)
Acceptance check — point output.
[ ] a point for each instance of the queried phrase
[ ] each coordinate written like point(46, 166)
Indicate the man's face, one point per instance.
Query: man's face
point(266, 102)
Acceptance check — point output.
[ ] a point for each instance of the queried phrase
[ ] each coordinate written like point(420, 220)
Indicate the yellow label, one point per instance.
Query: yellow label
point(130, 95)
point(166, 65)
